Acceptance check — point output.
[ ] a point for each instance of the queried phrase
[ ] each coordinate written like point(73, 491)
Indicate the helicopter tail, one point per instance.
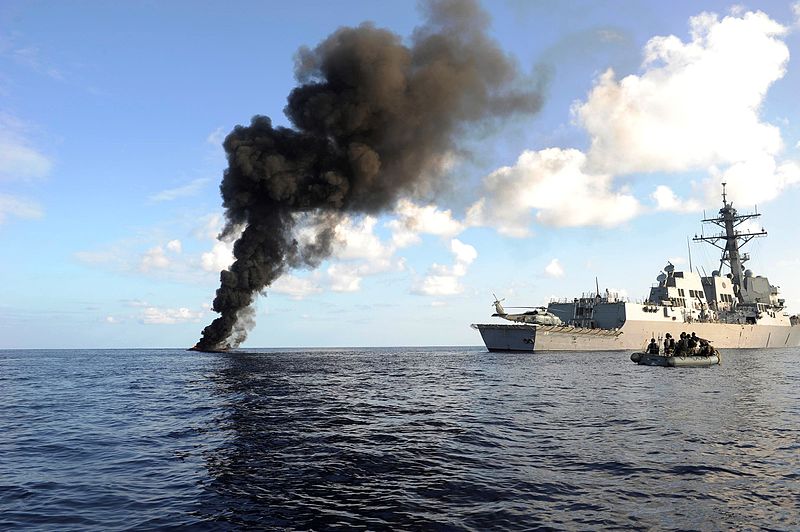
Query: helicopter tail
point(499, 310)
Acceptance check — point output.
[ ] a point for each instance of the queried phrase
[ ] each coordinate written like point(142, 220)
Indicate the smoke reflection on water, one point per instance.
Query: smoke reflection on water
point(396, 438)
point(466, 439)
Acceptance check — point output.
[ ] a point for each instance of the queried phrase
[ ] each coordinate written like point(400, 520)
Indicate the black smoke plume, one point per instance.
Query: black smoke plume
point(371, 118)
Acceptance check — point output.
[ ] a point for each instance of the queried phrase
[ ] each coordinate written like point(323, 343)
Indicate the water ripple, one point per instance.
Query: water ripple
point(450, 439)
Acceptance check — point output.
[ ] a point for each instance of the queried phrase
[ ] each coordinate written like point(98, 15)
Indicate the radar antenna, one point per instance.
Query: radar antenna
point(732, 240)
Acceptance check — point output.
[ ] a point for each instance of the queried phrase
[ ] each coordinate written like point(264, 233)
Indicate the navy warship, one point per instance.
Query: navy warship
point(733, 310)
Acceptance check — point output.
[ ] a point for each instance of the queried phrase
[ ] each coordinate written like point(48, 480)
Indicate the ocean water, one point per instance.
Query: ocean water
point(404, 438)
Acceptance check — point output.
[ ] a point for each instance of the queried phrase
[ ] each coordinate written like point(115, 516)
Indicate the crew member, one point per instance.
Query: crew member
point(669, 344)
point(652, 348)
point(683, 345)
point(705, 347)
point(693, 341)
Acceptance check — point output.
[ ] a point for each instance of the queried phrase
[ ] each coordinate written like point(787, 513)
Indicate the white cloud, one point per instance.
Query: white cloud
point(610, 35)
point(168, 316)
point(153, 259)
point(347, 276)
point(209, 227)
point(31, 57)
point(402, 237)
point(737, 9)
point(18, 160)
point(666, 200)
point(438, 282)
point(444, 280)
point(174, 246)
point(156, 258)
point(356, 239)
point(18, 207)
point(796, 12)
point(162, 260)
point(412, 220)
point(189, 189)
point(216, 137)
point(219, 258)
point(555, 184)
point(153, 254)
point(295, 287)
point(464, 256)
point(357, 252)
point(344, 278)
point(696, 104)
point(111, 319)
point(753, 181)
point(138, 303)
point(554, 269)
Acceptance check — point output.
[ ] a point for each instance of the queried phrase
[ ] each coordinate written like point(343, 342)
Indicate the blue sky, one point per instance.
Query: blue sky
point(112, 115)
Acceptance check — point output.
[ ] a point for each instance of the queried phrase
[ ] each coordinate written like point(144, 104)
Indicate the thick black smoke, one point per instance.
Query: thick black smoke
point(371, 118)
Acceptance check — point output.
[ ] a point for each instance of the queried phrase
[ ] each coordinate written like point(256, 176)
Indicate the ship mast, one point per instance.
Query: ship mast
point(731, 241)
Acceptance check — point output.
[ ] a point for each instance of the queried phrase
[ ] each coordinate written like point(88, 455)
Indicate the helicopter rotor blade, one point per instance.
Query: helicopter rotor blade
point(496, 300)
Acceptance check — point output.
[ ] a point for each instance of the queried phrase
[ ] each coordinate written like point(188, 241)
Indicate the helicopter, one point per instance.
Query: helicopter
point(537, 316)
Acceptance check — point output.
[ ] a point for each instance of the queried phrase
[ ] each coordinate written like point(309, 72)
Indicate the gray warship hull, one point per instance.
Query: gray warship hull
point(632, 335)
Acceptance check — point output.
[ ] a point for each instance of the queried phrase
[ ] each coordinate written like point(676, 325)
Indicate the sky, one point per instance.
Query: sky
point(112, 116)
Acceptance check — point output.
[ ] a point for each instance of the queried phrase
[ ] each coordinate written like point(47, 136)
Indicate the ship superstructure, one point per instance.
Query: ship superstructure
point(735, 309)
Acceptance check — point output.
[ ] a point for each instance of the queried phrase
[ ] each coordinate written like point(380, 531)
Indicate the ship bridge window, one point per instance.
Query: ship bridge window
point(680, 292)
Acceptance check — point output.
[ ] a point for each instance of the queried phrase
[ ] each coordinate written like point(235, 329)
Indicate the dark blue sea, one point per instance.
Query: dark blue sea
point(402, 439)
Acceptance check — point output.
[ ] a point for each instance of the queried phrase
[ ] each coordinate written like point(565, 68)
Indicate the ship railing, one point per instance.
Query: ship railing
point(591, 299)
